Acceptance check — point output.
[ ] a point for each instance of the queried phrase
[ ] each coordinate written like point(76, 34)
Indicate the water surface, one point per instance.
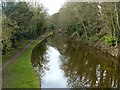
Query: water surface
point(63, 64)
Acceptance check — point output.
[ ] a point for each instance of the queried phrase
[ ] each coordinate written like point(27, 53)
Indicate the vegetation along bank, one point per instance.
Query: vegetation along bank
point(95, 24)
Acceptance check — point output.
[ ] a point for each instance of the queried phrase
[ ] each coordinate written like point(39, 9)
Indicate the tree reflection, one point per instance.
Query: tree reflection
point(82, 65)
point(85, 67)
point(39, 58)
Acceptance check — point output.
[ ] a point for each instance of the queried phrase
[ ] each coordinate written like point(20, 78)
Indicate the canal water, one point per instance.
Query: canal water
point(64, 64)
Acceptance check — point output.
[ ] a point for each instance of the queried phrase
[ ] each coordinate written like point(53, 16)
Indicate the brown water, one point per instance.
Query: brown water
point(62, 64)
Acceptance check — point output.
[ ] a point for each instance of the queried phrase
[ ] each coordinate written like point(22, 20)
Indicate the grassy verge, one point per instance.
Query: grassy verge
point(11, 54)
point(20, 73)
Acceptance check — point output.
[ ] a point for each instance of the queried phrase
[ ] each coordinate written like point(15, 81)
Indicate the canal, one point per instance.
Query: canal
point(66, 64)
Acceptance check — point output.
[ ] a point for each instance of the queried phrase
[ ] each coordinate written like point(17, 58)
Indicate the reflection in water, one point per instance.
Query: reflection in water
point(38, 58)
point(53, 76)
point(74, 65)
point(84, 67)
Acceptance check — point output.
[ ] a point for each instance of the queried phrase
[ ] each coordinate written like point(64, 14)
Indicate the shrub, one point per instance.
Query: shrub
point(110, 40)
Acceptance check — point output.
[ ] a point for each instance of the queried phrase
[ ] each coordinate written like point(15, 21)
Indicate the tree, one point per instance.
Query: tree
point(21, 21)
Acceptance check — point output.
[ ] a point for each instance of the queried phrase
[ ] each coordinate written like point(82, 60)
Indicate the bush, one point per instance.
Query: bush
point(101, 35)
point(110, 40)
point(94, 38)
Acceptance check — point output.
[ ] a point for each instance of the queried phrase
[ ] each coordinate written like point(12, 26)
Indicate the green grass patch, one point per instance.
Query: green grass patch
point(13, 52)
point(21, 74)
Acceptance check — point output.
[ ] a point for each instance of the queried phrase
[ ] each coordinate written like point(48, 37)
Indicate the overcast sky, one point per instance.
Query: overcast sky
point(53, 6)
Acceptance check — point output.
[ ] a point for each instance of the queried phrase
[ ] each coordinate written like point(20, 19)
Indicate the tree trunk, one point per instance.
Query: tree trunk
point(85, 29)
point(117, 20)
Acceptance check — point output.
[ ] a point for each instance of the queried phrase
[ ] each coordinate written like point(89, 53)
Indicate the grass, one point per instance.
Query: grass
point(9, 55)
point(20, 73)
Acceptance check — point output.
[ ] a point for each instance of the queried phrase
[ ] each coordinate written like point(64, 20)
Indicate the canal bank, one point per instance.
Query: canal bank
point(103, 47)
point(20, 73)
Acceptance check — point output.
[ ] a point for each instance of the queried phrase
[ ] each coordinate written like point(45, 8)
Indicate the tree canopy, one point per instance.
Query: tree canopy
point(21, 21)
